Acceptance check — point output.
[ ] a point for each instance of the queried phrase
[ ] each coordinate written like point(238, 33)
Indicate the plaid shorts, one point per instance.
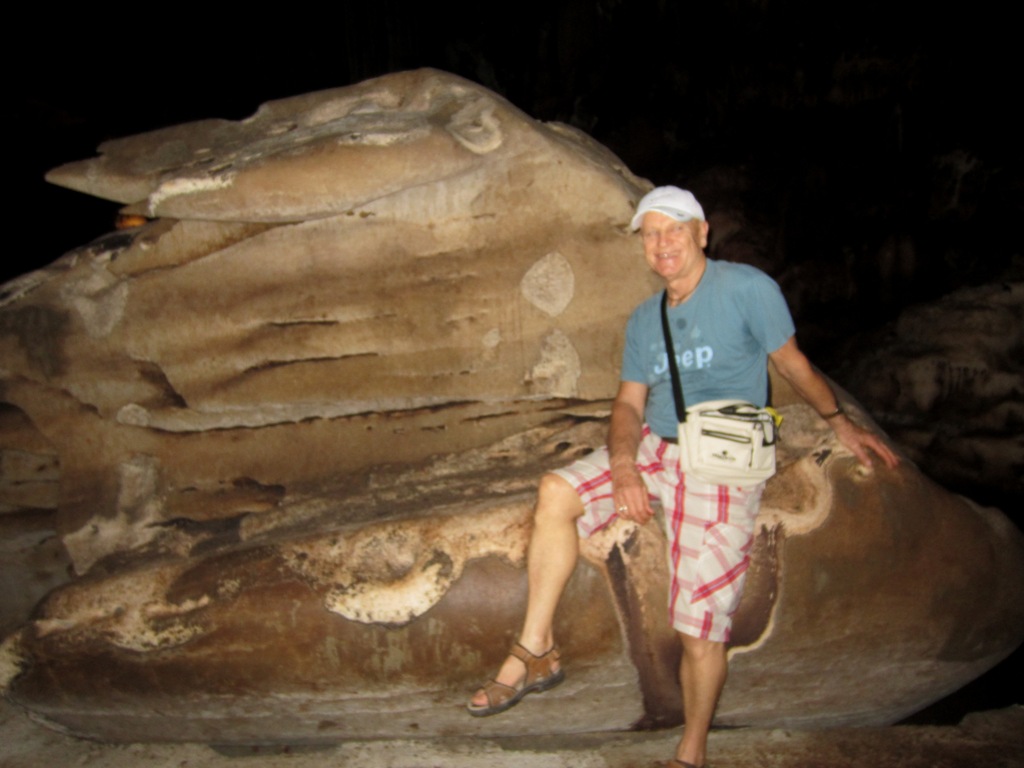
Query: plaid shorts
point(710, 530)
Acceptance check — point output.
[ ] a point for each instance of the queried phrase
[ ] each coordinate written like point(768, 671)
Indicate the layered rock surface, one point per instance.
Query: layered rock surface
point(288, 433)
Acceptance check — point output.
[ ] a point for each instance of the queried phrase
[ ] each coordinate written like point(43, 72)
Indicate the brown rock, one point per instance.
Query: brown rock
point(407, 313)
point(290, 439)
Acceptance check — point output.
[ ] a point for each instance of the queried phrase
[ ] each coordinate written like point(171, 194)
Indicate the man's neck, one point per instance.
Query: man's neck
point(682, 288)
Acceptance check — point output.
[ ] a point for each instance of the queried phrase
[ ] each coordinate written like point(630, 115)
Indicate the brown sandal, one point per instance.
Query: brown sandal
point(539, 677)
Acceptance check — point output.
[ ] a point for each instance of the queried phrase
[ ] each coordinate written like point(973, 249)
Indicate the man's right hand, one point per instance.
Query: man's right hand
point(624, 435)
point(630, 494)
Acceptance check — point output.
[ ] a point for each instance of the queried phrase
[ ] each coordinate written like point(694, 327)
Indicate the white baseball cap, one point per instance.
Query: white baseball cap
point(678, 203)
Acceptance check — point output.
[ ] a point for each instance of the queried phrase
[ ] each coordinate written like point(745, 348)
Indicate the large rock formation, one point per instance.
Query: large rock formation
point(288, 433)
point(413, 247)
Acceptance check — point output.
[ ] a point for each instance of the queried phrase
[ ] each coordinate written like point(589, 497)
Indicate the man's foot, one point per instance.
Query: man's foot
point(540, 673)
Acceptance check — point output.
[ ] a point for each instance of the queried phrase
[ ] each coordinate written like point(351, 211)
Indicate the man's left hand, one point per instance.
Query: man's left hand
point(862, 442)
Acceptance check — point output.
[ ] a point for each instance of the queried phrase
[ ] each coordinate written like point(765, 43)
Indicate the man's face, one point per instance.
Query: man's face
point(674, 249)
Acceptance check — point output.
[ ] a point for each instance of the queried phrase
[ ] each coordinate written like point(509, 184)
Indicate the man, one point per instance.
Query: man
point(726, 320)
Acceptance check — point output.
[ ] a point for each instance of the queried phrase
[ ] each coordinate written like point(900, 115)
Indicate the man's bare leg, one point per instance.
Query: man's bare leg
point(551, 559)
point(702, 674)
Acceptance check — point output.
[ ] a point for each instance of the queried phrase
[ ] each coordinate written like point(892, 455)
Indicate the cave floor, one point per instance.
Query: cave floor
point(992, 739)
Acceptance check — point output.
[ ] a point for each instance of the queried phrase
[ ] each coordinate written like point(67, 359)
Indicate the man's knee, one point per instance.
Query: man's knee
point(699, 649)
point(557, 499)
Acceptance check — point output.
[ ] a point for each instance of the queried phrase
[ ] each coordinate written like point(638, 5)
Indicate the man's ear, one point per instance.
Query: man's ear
point(704, 228)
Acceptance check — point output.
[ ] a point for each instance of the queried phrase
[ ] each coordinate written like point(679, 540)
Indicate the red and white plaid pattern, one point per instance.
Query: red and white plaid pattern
point(710, 530)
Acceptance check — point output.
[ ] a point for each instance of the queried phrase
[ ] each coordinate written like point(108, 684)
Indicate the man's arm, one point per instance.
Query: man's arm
point(624, 435)
point(795, 368)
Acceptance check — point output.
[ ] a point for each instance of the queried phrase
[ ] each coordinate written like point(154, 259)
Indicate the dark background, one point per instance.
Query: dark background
point(847, 120)
point(838, 128)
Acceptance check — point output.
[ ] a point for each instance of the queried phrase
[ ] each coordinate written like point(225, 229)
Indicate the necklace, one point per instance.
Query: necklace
point(675, 301)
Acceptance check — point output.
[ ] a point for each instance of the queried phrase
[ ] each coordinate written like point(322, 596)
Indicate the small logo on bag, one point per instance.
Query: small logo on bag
point(723, 456)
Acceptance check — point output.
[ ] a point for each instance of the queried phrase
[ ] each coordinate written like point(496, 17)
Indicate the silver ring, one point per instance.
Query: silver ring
point(623, 508)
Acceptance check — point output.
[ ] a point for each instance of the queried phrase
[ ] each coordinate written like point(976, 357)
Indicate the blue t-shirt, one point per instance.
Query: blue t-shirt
point(722, 337)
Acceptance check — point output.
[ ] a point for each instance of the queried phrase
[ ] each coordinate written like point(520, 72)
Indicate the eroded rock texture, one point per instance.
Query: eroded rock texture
point(288, 433)
point(412, 248)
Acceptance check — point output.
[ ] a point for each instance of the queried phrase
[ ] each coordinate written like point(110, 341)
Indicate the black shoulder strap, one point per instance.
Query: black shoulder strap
point(670, 352)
